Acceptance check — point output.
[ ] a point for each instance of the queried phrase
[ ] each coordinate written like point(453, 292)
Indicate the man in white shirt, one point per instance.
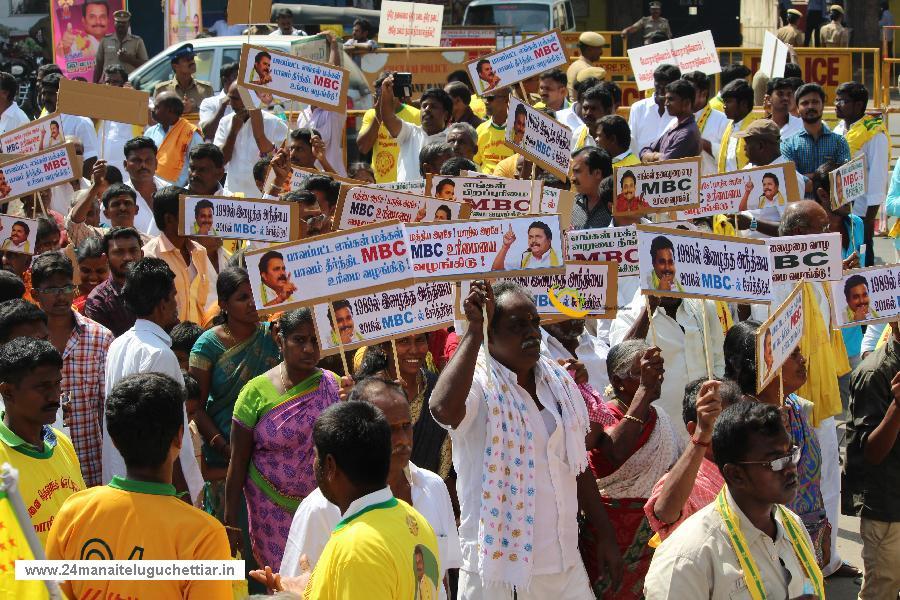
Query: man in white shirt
point(677, 329)
point(570, 339)
point(701, 558)
point(212, 109)
point(221, 27)
point(535, 409)
point(780, 94)
point(11, 116)
point(710, 122)
point(648, 118)
point(243, 143)
point(112, 135)
point(436, 107)
point(866, 134)
point(140, 166)
point(150, 293)
point(316, 517)
point(284, 18)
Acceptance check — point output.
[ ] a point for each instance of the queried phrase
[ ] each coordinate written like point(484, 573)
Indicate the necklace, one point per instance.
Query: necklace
point(227, 331)
point(283, 372)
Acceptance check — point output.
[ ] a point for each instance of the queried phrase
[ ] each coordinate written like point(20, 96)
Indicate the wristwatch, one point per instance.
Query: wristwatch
point(753, 223)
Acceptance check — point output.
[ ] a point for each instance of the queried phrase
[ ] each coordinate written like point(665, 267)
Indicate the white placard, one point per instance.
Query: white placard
point(239, 218)
point(539, 137)
point(517, 63)
point(695, 52)
point(363, 205)
point(815, 257)
point(777, 338)
point(865, 296)
point(656, 187)
point(747, 189)
point(774, 56)
point(35, 136)
point(848, 182)
point(615, 244)
point(410, 23)
point(489, 197)
point(36, 172)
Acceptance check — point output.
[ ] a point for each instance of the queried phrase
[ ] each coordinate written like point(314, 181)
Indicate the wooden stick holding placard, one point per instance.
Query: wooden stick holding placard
point(780, 388)
point(338, 336)
point(484, 341)
point(650, 321)
point(709, 371)
point(396, 360)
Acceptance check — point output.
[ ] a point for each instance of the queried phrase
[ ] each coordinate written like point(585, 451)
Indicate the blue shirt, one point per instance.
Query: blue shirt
point(853, 336)
point(809, 154)
point(818, 5)
point(158, 134)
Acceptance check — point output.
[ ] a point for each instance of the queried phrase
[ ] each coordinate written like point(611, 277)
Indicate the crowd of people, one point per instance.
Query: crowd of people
point(153, 413)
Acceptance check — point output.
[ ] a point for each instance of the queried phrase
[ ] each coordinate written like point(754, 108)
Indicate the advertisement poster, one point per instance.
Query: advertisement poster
point(656, 187)
point(814, 257)
point(489, 197)
point(461, 37)
point(865, 296)
point(281, 74)
point(695, 52)
point(239, 218)
point(685, 264)
point(372, 318)
point(78, 26)
point(538, 137)
point(464, 249)
point(36, 172)
point(410, 23)
point(517, 63)
point(35, 136)
point(848, 182)
point(777, 338)
point(362, 205)
point(614, 244)
point(747, 189)
point(17, 234)
point(334, 265)
point(184, 20)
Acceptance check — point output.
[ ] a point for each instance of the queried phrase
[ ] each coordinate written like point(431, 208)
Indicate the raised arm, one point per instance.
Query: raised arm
point(386, 107)
point(509, 239)
point(448, 400)
point(259, 132)
point(82, 207)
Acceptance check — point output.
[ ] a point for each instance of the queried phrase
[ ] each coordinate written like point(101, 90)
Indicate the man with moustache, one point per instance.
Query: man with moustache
point(120, 48)
point(262, 68)
point(648, 118)
point(812, 147)
point(540, 252)
point(192, 91)
point(746, 538)
point(662, 255)
point(342, 326)
point(174, 137)
point(105, 304)
point(856, 292)
point(275, 277)
point(140, 166)
point(203, 218)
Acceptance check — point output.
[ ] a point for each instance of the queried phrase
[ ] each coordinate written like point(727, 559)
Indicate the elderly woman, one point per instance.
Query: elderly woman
point(740, 366)
point(629, 457)
point(271, 439)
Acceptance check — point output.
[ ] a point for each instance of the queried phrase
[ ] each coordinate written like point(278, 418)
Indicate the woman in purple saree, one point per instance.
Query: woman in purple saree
point(271, 439)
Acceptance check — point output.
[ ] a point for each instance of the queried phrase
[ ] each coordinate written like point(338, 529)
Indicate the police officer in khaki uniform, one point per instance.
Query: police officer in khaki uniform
point(190, 90)
point(648, 26)
point(120, 48)
point(791, 34)
point(590, 46)
point(834, 34)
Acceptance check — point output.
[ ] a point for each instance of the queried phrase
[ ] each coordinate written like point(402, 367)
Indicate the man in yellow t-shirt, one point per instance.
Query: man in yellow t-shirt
point(374, 136)
point(139, 517)
point(382, 547)
point(49, 473)
point(492, 132)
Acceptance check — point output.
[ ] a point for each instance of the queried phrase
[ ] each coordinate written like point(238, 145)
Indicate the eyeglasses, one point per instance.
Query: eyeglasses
point(778, 464)
point(57, 291)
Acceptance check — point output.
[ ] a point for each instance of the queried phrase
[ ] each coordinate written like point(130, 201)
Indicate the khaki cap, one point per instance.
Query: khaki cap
point(592, 38)
point(836, 8)
point(794, 11)
point(121, 15)
point(761, 128)
point(598, 72)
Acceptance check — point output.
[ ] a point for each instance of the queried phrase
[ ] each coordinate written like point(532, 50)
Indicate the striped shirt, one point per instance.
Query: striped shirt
point(809, 154)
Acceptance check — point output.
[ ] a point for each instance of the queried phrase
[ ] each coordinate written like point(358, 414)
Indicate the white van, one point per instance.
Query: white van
point(521, 15)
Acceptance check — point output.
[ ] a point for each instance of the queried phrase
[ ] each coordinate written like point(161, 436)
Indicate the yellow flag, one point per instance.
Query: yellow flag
point(13, 547)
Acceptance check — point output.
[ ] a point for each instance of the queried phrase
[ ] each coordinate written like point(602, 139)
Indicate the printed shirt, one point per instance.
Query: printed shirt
point(491, 149)
point(106, 306)
point(137, 520)
point(372, 553)
point(385, 151)
point(84, 365)
point(316, 517)
point(809, 154)
point(46, 478)
point(585, 218)
point(707, 485)
point(698, 560)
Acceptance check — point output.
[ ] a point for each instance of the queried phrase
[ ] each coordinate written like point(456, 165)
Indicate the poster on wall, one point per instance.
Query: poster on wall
point(78, 26)
point(184, 20)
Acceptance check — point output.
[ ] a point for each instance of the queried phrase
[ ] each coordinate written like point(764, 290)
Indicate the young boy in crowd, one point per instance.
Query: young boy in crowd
point(183, 337)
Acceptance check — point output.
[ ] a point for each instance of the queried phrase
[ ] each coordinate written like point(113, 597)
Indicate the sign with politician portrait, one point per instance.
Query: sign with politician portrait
point(17, 234)
point(35, 136)
point(777, 338)
point(363, 205)
point(489, 197)
point(239, 218)
point(756, 189)
point(656, 187)
point(865, 296)
point(36, 172)
point(517, 63)
point(685, 264)
point(538, 137)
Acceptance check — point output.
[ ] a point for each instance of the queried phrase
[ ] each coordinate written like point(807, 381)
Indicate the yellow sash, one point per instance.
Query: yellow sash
point(579, 143)
point(629, 160)
point(704, 116)
point(826, 359)
point(172, 152)
point(864, 130)
point(804, 552)
point(739, 155)
point(554, 259)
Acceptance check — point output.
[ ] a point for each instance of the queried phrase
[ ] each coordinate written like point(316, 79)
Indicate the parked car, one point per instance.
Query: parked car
point(521, 15)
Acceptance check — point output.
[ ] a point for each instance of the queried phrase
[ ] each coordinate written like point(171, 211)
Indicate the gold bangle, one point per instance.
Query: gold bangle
point(212, 442)
point(635, 419)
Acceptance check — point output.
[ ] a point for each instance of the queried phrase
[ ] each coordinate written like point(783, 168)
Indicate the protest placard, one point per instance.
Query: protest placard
point(77, 30)
point(17, 234)
point(272, 72)
point(657, 187)
point(554, 201)
point(334, 265)
point(848, 182)
point(777, 338)
point(865, 296)
point(681, 263)
point(747, 189)
point(361, 205)
point(517, 63)
point(615, 244)
point(313, 47)
point(774, 56)
point(410, 23)
point(35, 136)
point(815, 257)
point(241, 12)
point(234, 218)
point(107, 102)
point(502, 247)
point(416, 186)
point(36, 172)
point(369, 319)
point(695, 52)
point(539, 138)
point(299, 177)
point(490, 197)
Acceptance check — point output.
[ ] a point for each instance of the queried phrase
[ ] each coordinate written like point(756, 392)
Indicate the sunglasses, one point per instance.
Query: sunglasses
point(57, 291)
point(778, 464)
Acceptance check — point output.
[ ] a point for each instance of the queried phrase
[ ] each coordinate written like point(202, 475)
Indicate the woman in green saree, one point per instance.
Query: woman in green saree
point(224, 358)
